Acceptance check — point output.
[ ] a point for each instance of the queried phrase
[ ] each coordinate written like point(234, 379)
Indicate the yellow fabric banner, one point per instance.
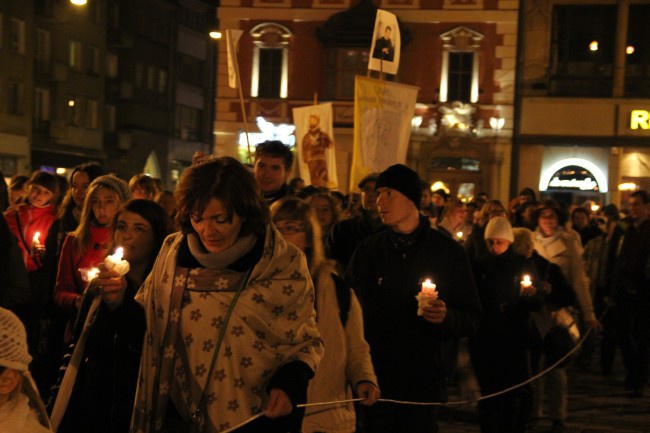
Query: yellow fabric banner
point(382, 125)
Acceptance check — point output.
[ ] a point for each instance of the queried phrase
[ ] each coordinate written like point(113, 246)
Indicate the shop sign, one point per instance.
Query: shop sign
point(573, 173)
point(640, 119)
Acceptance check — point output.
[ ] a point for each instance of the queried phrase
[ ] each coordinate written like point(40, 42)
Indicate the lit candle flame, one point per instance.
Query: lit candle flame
point(526, 281)
point(459, 235)
point(119, 252)
point(92, 273)
point(427, 285)
point(36, 236)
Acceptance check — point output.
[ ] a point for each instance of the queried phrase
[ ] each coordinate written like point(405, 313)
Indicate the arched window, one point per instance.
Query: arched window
point(270, 74)
point(459, 77)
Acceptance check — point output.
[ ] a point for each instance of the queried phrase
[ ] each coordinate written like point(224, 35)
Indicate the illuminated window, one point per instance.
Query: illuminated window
point(459, 75)
point(92, 114)
point(93, 60)
point(111, 65)
point(17, 36)
point(582, 50)
point(41, 105)
point(270, 73)
point(75, 55)
point(15, 98)
point(637, 60)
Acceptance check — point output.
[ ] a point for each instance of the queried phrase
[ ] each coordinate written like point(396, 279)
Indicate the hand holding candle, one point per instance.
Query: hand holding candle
point(459, 236)
point(526, 285)
point(116, 263)
point(427, 294)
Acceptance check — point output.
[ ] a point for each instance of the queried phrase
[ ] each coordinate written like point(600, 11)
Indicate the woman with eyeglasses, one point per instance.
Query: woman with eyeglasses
point(231, 328)
point(340, 322)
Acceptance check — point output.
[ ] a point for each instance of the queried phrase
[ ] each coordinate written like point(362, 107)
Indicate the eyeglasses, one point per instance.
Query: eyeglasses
point(291, 229)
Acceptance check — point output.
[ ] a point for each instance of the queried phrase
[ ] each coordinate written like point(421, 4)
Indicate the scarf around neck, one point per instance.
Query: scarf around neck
point(223, 258)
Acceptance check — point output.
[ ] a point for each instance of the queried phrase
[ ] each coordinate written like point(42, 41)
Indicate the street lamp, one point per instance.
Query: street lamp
point(497, 123)
point(215, 34)
point(79, 2)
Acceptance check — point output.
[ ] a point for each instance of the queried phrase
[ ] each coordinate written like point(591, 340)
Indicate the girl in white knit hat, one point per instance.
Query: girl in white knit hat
point(21, 408)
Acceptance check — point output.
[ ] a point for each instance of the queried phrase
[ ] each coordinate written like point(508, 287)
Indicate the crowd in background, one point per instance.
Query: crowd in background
point(276, 247)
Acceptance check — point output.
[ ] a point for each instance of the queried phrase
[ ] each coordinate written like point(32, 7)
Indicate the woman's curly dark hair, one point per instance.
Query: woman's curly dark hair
point(227, 180)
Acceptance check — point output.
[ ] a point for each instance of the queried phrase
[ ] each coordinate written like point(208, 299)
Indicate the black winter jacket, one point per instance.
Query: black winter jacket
point(413, 358)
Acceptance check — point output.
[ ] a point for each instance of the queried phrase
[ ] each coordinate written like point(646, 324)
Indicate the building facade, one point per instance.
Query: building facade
point(128, 84)
point(585, 96)
point(460, 53)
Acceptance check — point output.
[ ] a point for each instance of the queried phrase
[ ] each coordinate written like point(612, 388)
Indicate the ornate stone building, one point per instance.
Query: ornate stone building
point(460, 53)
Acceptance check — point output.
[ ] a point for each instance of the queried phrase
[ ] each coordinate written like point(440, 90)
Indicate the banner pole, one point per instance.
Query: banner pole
point(241, 98)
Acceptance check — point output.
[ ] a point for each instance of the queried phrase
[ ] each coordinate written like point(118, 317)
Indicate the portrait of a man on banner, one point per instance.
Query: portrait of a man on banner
point(315, 145)
point(386, 42)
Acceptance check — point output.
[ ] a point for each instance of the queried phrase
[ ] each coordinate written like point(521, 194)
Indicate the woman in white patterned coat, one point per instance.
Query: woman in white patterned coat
point(231, 338)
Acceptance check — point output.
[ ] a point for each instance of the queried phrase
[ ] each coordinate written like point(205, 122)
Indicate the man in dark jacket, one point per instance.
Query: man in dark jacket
point(347, 234)
point(632, 296)
point(413, 355)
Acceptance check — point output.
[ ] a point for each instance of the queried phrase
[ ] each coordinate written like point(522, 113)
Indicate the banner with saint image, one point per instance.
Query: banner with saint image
point(315, 145)
point(383, 111)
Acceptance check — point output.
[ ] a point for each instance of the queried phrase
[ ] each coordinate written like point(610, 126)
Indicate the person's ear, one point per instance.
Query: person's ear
point(9, 380)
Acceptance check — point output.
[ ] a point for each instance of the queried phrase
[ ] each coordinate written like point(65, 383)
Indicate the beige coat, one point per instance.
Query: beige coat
point(346, 361)
point(565, 250)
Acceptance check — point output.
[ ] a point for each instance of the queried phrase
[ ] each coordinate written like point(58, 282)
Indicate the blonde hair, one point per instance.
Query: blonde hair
point(295, 209)
point(82, 232)
point(450, 207)
point(488, 207)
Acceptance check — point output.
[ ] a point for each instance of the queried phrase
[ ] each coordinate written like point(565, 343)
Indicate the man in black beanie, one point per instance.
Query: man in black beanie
point(413, 354)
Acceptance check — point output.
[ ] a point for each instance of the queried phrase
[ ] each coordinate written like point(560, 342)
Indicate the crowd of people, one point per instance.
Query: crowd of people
point(247, 300)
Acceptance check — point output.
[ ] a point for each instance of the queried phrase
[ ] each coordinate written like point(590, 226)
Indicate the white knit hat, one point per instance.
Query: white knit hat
point(499, 227)
point(13, 342)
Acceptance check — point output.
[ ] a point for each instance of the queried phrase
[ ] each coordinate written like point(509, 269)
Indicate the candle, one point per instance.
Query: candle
point(116, 262)
point(427, 294)
point(35, 240)
point(428, 288)
point(526, 282)
point(459, 235)
point(91, 274)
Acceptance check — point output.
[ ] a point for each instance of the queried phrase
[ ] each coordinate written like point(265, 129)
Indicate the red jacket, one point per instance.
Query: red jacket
point(32, 219)
point(69, 281)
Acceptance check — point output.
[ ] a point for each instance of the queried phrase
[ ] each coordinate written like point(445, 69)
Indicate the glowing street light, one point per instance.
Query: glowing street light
point(497, 123)
point(79, 2)
point(215, 34)
point(629, 49)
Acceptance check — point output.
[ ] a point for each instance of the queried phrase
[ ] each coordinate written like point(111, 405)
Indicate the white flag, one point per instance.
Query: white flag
point(232, 40)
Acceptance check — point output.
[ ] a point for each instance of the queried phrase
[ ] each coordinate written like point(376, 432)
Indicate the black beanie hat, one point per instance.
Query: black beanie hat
point(401, 178)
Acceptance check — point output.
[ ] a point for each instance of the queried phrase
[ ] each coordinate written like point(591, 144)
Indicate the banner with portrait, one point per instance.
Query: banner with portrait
point(386, 43)
point(315, 145)
point(383, 112)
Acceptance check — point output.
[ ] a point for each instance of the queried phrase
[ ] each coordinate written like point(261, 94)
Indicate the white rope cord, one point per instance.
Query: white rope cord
point(449, 403)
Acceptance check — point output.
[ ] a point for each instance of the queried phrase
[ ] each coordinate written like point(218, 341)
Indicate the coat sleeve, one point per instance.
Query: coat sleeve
point(65, 288)
point(463, 306)
point(359, 366)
